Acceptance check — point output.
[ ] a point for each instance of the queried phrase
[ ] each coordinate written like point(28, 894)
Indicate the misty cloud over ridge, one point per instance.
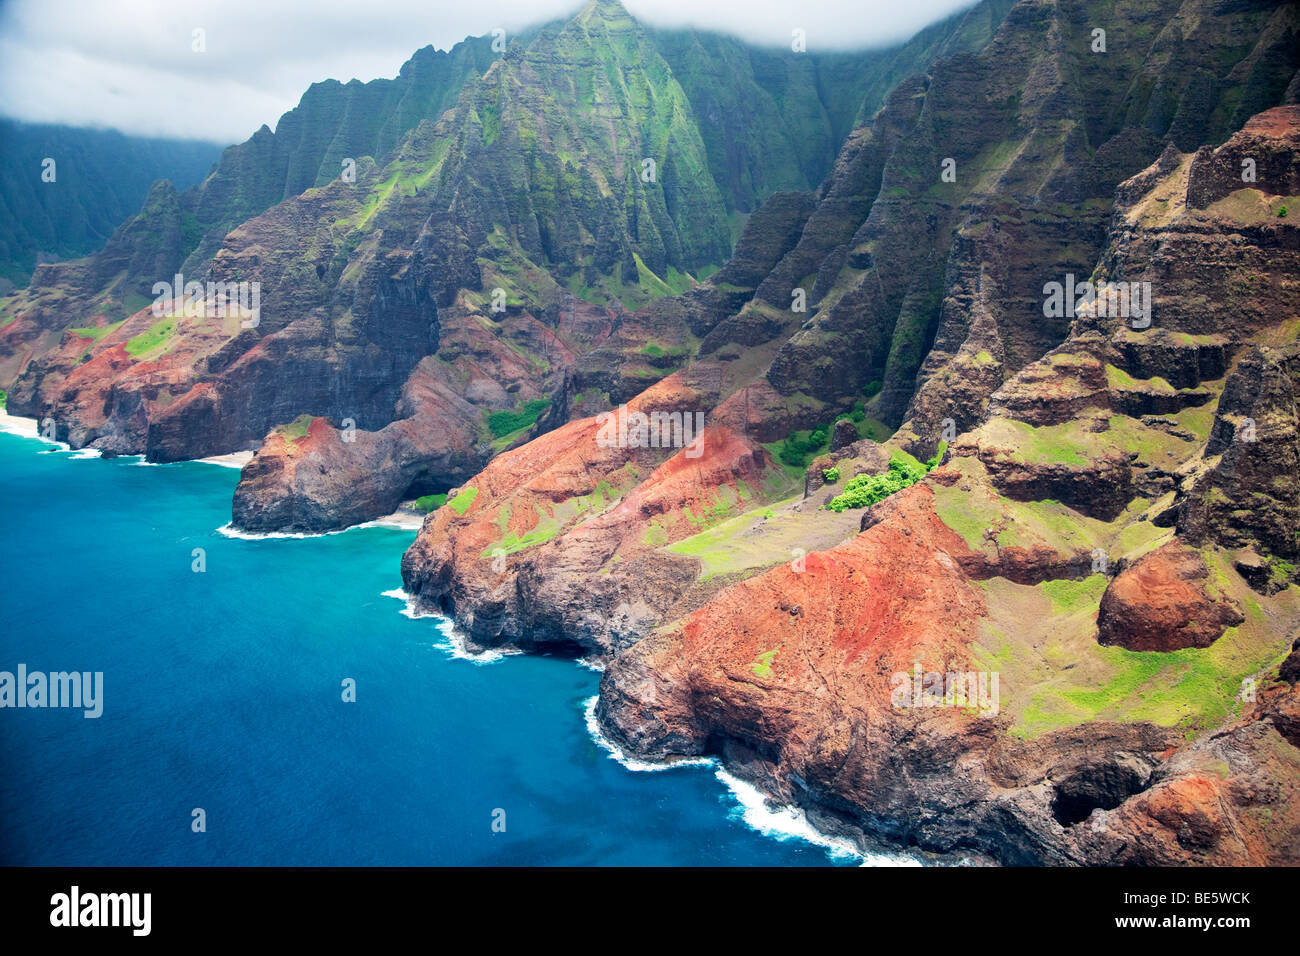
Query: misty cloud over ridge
point(129, 64)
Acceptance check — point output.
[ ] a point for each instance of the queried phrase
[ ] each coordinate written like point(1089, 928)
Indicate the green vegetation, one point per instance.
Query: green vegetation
point(865, 490)
point(763, 666)
point(727, 504)
point(157, 335)
point(830, 475)
point(1281, 572)
point(552, 519)
point(1050, 445)
point(1068, 596)
point(501, 424)
point(430, 502)
point(463, 500)
point(800, 447)
point(1046, 524)
point(96, 332)
point(1073, 445)
point(1043, 641)
point(656, 535)
point(1281, 212)
point(546, 528)
point(297, 429)
point(875, 430)
point(4, 397)
point(1117, 378)
point(655, 350)
point(1190, 688)
point(756, 538)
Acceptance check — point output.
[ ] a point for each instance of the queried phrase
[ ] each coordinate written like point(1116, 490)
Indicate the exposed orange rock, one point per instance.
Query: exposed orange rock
point(1160, 603)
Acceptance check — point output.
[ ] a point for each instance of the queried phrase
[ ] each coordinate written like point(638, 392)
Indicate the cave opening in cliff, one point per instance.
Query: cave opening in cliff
point(1095, 787)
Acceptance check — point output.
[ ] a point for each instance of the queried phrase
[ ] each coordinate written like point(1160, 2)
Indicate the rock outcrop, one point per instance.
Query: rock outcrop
point(1160, 603)
point(1133, 709)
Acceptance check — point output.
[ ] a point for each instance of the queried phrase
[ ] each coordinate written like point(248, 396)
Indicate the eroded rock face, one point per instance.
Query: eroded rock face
point(1290, 670)
point(1078, 466)
point(556, 543)
point(330, 478)
point(790, 676)
point(938, 294)
point(437, 438)
point(1162, 603)
point(1264, 151)
point(1247, 490)
point(1094, 424)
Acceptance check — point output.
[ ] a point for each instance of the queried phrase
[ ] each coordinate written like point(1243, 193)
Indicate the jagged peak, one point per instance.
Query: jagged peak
point(604, 14)
point(604, 8)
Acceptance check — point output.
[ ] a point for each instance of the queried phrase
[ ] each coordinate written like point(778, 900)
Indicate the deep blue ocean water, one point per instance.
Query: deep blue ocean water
point(223, 691)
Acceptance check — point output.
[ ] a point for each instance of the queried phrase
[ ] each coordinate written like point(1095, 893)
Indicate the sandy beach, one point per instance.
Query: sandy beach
point(236, 459)
point(17, 425)
point(401, 519)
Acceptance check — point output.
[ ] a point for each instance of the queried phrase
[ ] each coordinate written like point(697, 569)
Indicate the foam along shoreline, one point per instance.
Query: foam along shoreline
point(453, 641)
point(397, 521)
point(752, 806)
point(791, 823)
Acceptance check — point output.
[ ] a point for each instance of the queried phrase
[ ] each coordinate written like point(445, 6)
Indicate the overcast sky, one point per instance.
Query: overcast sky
point(129, 64)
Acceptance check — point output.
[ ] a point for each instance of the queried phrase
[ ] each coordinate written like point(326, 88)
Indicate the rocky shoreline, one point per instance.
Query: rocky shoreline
point(1086, 582)
point(926, 457)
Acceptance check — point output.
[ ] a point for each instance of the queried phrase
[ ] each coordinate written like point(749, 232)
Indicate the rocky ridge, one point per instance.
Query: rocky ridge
point(1121, 735)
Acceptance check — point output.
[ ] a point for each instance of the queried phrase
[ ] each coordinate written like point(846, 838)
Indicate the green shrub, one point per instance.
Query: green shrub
point(501, 424)
point(858, 413)
point(830, 475)
point(865, 490)
point(430, 502)
point(1281, 212)
point(872, 388)
point(463, 500)
point(797, 452)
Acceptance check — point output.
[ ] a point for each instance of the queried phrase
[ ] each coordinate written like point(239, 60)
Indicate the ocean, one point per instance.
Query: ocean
point(223, 693)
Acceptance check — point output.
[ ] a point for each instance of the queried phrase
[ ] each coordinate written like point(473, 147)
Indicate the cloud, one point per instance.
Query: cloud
point(130, 64)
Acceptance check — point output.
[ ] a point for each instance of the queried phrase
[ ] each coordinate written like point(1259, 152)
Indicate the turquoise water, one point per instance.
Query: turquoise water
point(223, 691)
